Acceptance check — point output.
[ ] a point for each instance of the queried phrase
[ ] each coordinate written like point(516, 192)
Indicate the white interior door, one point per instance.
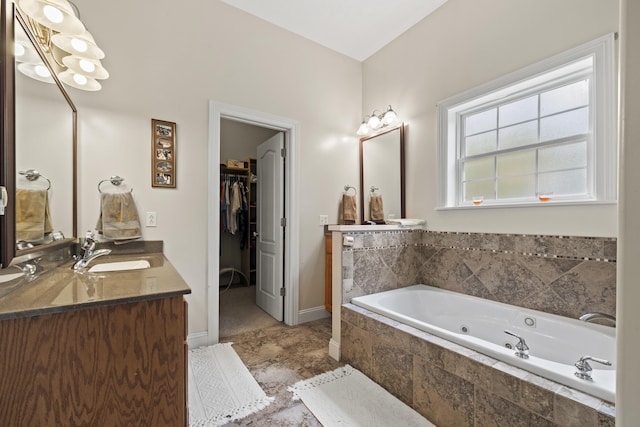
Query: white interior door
point(269, 241)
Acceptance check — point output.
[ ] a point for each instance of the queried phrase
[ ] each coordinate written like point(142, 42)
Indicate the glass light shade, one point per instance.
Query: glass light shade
point(79, 81)
point(55, 14)
point(389, 116)
point(374, 122)
point(18, 51)
point(363, 129)
point(81, 45)
point(36, 71)
point(25, 52)
point(87, 67)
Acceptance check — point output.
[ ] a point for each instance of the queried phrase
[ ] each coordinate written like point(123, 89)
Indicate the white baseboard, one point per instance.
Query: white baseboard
point(310, 314)
point(198, 339)
point(334, 349)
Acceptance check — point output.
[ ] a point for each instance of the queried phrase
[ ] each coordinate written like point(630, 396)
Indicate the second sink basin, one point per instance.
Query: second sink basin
point(120, 266)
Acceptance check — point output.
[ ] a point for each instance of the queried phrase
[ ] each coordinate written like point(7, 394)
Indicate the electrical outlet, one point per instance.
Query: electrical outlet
point(324, 220)
point(152, 219)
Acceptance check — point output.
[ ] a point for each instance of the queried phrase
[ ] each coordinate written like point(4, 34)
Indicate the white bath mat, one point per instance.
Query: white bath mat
point(221, 388)
point(347, 397)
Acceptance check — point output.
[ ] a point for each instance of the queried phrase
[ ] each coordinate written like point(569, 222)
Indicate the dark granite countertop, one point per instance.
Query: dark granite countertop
point(62, 289)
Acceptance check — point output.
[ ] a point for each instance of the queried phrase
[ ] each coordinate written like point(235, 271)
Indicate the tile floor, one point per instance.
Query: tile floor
point(279, 356)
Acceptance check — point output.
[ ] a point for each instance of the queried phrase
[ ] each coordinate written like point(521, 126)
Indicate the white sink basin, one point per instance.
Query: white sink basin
point(120, 266)
point(9, 277)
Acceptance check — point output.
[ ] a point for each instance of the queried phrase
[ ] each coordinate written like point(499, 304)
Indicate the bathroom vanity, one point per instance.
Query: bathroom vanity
point(98, 349)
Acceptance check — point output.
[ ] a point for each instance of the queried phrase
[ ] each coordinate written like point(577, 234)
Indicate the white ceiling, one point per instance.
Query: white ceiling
point(356, 28)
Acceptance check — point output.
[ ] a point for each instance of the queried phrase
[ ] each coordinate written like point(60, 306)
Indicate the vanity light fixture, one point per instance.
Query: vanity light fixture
point(63, 38)
point(377, 121)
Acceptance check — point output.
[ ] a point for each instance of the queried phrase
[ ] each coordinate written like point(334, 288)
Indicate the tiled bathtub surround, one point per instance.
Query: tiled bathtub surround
point(562, 275)
point(454, 386)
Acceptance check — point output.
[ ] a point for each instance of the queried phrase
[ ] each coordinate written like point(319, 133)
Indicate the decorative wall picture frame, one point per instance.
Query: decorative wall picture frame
point(163, 154)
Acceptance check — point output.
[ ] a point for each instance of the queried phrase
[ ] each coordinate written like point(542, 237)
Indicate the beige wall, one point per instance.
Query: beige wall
point(464, 44)
point(167, 59)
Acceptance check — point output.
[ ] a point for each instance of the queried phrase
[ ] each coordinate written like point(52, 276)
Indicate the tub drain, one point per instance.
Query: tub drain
point(464, 329)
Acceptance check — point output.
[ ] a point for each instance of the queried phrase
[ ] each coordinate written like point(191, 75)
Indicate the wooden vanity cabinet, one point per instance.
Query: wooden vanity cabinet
point(113, 365)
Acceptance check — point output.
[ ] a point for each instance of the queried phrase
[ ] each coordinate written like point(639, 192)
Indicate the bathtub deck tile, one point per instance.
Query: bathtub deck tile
point(390, 333)
point(512, 370)
point(443, 398)
point(389, 367)
point(606, 420)
point(356, 348)
point(607, 409)
point(536, 398)
point(430, 352)
point(574, 408)
point(476, 371)
point(492, 410)
point(352, 315)
point(444, 372)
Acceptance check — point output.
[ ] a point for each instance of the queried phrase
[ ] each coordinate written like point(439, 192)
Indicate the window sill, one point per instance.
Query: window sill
point(527, 205)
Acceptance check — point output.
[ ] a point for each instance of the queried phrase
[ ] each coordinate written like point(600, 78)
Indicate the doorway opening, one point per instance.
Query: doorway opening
point(224, 268)
point(250, 280)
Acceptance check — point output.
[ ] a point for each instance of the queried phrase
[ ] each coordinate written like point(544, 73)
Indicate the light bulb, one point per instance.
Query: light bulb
point(374, 122)
point(87, 66)
point(42, 71)
point(363, 129)
point(80, 79)
point(18, 50)
point(390, 116)
point(79, 45)
point(53, 14)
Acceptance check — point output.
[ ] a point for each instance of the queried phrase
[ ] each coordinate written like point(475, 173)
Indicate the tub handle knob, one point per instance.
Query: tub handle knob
point(522, 349)
point(584, 369)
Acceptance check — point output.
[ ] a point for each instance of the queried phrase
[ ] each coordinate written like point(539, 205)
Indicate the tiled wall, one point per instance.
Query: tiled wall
point(454, 386)
point(563, 275)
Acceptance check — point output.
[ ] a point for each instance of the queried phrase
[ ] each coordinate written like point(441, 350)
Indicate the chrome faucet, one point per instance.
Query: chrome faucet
point(584, 369)
point(88, 252)
point(596, 315)
point(522, 349)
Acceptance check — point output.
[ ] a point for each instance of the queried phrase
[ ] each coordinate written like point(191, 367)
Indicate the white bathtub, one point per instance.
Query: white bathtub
point(555, 342)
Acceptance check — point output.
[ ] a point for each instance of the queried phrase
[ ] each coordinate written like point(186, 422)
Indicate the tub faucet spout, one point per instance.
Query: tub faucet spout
point(522, 349)
point(596, 315)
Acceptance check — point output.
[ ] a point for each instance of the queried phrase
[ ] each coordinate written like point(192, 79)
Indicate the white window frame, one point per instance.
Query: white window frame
point(602, 162)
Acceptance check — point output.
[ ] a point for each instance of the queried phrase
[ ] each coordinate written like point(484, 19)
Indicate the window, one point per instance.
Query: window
point(546, 133)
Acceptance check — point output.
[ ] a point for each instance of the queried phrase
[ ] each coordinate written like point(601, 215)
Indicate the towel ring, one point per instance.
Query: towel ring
point(349, 187)
point(32, 175)
point(373, 189)
point(114, 180)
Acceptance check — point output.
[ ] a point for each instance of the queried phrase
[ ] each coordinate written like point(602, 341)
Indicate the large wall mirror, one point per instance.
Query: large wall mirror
point(42, 144)
point(382, 176)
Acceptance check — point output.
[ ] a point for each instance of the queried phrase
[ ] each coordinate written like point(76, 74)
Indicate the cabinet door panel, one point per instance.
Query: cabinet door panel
point(103, 366)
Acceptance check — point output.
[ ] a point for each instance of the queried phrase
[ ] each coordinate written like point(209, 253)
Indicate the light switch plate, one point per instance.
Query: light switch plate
point(324, 220)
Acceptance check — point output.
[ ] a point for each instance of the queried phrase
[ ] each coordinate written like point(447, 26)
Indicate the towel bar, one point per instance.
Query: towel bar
point(350, 187)
point(32, 175)
point(114, 180)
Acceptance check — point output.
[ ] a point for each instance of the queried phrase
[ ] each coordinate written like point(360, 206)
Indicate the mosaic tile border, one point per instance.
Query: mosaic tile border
point(601, 249)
